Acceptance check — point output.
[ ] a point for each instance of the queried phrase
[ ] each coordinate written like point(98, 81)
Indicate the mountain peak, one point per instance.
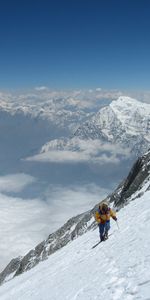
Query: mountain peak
point(131, 103)
point(130, 111)
point(126, 122)
point(127, 99)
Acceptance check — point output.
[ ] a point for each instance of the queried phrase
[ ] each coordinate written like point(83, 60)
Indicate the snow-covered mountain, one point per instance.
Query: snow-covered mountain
point(27, 121)
point(133, 187)
point(59, 124)
point(122, 127)
point(125, 121)
point(62, 112)
point(116, 269)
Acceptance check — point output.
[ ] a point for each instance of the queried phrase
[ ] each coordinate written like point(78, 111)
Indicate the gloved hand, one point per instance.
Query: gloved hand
point(115, 218)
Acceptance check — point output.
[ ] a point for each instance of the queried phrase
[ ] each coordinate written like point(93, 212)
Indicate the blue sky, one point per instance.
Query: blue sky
point(75, 44)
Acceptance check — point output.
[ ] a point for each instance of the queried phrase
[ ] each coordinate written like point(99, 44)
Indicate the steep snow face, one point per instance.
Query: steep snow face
point(115, 269)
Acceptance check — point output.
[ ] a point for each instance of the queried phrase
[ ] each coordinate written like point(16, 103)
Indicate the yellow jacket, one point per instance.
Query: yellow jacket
point(103, 217)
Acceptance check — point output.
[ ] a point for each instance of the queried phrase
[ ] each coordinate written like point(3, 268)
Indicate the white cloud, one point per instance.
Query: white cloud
point(41, 88)
point(26, 222)
point(23, 224)
point(67, 202)
point(98, 89)
point(60, 156)
point(89, 151)
point(15, 182)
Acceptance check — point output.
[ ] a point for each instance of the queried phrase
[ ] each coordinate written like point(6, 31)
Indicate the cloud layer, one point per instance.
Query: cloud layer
point(15, 182)
point(26, 222)
point(23, 223)
point(90, 151)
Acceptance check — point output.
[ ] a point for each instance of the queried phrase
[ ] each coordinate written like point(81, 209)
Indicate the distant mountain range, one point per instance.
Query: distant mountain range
point(61, 112)
point(124, 124)
point(61, 130)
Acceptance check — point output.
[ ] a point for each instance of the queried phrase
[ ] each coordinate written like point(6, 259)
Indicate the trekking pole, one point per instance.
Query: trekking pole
point(117, 224)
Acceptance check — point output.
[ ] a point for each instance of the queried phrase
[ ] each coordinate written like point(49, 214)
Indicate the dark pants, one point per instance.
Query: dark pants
point(103, 228)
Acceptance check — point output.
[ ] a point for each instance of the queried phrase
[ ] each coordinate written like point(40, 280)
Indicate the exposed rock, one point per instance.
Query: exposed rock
point(10, 269)
point(139, 173)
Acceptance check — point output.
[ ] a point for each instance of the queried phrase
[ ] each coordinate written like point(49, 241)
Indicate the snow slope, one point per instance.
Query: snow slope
point(115, 269)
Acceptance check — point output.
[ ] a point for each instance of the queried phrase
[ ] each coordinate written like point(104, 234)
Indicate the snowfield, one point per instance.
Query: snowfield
point(117, 269)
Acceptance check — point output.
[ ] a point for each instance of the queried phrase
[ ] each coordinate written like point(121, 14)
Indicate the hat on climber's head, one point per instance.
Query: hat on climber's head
point(104, 206)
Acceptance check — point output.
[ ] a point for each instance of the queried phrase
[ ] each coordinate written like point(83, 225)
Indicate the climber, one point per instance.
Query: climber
point(102, 217)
